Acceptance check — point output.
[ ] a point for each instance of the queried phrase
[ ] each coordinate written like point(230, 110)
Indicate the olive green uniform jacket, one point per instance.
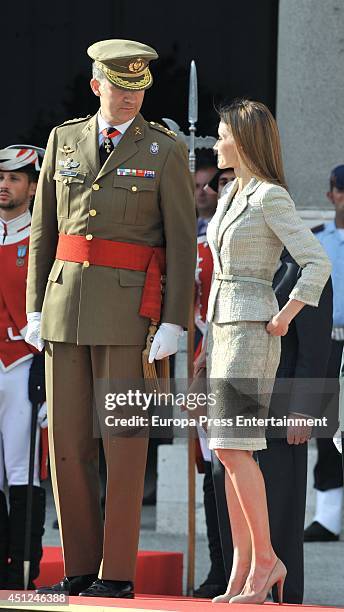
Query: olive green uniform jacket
point(98, 305)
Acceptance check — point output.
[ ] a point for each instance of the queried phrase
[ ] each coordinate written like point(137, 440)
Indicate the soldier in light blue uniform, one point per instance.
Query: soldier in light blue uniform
point(328, 474)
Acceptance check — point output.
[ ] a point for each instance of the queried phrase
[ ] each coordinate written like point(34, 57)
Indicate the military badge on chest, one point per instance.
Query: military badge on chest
point(154, 148)
point(21, 252)
point(136, 172)
point(68, 166)
point(66, 149)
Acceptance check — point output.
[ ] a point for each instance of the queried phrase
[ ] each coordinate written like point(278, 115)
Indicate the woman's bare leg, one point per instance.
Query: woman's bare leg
point(248, 484)
point(241, 538)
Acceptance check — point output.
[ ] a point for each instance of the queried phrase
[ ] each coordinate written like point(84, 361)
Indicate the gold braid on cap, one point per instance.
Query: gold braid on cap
point(117, 77)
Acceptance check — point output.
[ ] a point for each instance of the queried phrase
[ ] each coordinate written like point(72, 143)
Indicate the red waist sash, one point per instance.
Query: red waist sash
point(123, 255)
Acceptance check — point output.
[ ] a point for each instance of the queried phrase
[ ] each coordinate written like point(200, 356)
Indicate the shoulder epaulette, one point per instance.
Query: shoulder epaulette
point(77, 120)
point(318, 228)
point(163, 129)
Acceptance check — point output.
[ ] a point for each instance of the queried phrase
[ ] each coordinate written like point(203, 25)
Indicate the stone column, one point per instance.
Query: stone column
point(310, 99)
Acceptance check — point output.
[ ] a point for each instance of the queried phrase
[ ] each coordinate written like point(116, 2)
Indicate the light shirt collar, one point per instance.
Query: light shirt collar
point(330, 227)
point(333, 229)
point(16, 229)
point(102, 124)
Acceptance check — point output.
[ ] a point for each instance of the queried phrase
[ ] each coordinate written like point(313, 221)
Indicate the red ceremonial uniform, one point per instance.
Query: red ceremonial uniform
point(204, 271)
point(14, 250)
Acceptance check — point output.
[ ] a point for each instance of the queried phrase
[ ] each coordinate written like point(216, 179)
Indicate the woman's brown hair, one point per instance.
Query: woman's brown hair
point(257, 138)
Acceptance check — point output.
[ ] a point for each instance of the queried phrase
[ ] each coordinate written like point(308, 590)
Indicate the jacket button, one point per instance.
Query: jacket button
point(86, 264)
point(89, 237)
point(134, 188)
point(93, 212)
point(95, 187)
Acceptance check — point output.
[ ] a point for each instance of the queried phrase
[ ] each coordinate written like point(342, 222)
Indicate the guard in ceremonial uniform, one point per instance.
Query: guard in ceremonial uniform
point(21, 372)
point(328, 474)
point(114, 216)
point(206, 201)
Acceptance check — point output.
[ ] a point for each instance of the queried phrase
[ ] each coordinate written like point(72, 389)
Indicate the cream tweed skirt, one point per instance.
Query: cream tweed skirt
point(242, 359)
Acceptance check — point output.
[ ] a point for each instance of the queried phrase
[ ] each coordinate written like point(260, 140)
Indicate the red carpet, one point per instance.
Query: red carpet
point(155, 604)
point(185, 604)
point(157, 572)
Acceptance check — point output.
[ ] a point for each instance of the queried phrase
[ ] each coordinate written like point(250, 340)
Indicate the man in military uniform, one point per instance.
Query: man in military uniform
point(114, 213)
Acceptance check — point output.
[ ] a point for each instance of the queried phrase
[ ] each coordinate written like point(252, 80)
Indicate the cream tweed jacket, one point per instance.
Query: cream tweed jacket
point(246, 236)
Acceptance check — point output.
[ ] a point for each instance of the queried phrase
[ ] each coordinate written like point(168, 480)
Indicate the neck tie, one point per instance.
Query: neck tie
point(107, 145)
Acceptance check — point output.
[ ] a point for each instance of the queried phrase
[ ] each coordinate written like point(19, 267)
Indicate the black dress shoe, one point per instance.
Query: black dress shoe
point(110, 588)
point(316, 532)
point(208, 591)
point(70, 585)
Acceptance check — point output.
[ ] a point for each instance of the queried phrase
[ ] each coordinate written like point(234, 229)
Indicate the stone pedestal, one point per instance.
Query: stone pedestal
point(310, 96)
point(172, 498)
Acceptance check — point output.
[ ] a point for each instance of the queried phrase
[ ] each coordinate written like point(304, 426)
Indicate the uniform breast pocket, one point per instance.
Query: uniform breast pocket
point(133, 199)
point(69, 191)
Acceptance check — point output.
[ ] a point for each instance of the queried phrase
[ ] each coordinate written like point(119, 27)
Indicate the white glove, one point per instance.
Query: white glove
point(337, 441)
point(42, 417)
point(165, 341)
point(33, 334)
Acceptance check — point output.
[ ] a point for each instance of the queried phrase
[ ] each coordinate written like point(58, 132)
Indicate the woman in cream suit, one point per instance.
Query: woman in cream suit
point(254, 220)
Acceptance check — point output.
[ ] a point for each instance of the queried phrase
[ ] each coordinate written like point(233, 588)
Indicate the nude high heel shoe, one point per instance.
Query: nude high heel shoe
point(277, 576)
point(227, 596)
